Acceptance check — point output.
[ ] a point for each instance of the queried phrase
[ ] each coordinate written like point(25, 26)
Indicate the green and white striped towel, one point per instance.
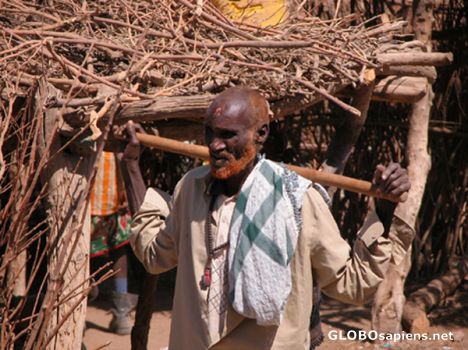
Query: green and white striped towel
point(263, 237)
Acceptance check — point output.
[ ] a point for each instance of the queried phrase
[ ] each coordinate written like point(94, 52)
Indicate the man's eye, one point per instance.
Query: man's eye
point(208, 132)
point(228, 134)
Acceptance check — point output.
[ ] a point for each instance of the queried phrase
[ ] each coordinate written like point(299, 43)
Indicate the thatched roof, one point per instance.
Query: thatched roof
point(161, 60)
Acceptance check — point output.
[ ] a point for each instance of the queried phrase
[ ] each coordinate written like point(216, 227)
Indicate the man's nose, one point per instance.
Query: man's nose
point(217, 145)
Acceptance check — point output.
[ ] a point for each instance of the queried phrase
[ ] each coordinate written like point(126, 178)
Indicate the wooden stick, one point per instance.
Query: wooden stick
point(437, 59)
point(428, 72)
point(400, 89)
point(326, 179)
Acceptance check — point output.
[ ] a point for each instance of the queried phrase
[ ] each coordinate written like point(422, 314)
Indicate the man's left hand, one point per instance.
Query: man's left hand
point(393, 180)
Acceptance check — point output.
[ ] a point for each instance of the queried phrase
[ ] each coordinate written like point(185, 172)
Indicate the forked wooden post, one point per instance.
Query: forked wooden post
point(387, 309)
point(61, 321)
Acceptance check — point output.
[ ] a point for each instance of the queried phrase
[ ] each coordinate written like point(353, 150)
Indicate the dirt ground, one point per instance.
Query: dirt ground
point(450, 317)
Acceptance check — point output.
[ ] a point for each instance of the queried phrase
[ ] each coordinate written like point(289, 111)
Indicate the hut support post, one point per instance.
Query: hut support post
point(389, 301)
point(60, 324)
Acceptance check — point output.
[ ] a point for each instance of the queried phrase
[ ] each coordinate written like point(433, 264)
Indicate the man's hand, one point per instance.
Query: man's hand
point(393, 180)
point(127, 132)
point(129, 165)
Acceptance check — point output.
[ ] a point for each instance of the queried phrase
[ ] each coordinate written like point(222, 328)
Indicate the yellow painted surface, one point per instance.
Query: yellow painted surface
point(261, 13)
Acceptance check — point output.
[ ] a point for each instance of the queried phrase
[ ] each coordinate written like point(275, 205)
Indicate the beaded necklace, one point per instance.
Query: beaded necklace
point(205, 281)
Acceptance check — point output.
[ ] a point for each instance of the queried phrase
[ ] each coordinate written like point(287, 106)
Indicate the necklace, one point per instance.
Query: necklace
point(211, 251)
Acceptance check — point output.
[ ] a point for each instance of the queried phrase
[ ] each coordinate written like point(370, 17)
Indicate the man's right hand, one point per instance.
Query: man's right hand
point(127, 132)
point(129, 164)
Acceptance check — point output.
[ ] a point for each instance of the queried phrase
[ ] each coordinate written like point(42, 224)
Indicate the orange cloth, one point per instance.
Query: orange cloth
point(105, 194)
point(261, 13)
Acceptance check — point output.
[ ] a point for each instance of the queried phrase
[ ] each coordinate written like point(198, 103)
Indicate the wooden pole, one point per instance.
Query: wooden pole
point(326, 179)
point(400, 89)
point(389, 301)
point(437, 59)
point(60, 323)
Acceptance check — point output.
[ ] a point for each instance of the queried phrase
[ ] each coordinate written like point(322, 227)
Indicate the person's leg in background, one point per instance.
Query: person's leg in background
point(99, 254)
point(110, 241)
point(120, 263)
point(121, 300)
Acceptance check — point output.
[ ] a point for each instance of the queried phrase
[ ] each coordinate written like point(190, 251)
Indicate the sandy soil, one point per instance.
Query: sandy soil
point(97, 335)
point(451, 317)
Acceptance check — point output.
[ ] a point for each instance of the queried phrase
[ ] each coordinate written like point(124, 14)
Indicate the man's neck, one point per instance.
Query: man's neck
point(235, 182)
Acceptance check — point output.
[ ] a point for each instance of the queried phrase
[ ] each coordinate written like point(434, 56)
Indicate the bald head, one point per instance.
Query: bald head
point(236, 128)
point(243, 101)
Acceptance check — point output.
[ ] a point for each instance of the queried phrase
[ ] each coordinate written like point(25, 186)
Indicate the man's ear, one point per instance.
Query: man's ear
point(262, 134)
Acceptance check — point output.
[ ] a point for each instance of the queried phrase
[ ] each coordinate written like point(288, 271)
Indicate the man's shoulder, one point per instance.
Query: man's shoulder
point(192, 178)
point(156, 199)
point(316, 196)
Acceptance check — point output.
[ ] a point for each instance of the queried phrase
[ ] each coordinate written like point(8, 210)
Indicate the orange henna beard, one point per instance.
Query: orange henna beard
point(235, 166)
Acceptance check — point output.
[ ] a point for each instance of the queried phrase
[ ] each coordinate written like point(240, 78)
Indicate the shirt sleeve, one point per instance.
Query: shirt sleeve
point(154, 232)
point(350, 274)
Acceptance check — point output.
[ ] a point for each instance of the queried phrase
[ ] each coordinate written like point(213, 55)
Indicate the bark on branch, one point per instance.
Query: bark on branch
point(428, 72)
point(437, 59)
point(400, 89)
point(423, 300)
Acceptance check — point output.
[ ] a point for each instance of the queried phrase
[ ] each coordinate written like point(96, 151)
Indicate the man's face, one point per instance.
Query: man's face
point(229, 135)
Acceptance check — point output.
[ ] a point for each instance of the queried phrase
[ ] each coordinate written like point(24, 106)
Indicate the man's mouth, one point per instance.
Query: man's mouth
point(218, 160)
point(226, 165)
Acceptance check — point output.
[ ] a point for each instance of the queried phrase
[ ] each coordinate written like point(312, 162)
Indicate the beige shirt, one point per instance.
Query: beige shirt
point(217, 295)
point(347, 274)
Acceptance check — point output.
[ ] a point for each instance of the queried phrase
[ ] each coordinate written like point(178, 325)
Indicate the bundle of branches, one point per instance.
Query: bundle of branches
point(146, 49)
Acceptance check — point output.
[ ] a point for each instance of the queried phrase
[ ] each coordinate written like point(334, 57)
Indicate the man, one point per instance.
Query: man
point(249, 237)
